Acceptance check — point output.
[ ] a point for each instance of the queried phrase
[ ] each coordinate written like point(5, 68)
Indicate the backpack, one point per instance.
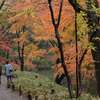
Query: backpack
point(10, 69)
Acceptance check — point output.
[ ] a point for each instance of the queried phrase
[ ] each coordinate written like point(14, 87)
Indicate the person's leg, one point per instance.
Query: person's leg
point(7, 79)
point(10, 79)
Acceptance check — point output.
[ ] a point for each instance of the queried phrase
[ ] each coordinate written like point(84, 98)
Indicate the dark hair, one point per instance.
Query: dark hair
point(7, 62)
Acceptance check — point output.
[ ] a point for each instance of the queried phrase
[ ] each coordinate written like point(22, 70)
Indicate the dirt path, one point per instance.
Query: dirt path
point(8, 94)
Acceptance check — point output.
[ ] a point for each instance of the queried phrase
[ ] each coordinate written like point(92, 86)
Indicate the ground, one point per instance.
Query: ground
point(7, 93)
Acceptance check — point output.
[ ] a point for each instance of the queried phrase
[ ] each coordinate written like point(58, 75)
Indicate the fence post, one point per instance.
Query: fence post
point(13, 86)
point(20, 92)
point(52, 91)
point(36, 97)
point(29, 95)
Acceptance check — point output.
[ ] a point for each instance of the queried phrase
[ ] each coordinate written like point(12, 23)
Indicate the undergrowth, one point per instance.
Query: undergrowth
point(41, 86)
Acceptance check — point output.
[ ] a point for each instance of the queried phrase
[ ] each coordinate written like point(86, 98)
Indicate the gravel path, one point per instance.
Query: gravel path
point(8, 94)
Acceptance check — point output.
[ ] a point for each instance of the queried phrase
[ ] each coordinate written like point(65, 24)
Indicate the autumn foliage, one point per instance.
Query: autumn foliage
point(33, 18)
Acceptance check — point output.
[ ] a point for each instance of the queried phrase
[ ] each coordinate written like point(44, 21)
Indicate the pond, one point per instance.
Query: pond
point(47, 73)
point(50, 74)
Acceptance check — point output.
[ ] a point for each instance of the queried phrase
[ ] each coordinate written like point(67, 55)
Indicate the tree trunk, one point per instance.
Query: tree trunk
point(22, 59)
point(22, 65)
point(7, 54)
point(60, 46)
point(93, 21)
point(63, 63)
point(96, 57)
point(59, 79)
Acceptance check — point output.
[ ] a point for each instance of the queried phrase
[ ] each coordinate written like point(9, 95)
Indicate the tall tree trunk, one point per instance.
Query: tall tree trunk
point(21, 54)
point(77, 75)
point(22, 65)
point(22, 59)
point(93, 19)
point(96, 57)
point(63, 62)
point(60, 45)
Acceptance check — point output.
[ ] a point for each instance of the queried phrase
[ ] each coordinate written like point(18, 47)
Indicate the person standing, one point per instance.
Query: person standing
point(0, 72)
point(8, 71)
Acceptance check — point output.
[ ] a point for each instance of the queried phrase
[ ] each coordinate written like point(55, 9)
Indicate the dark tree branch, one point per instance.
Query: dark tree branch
point(2, 4)
point(89, 4)
point(59, 13)
point(90, 14)
point(96, 3)
point(78, 8)
point(5, 9)
point(22, 53)
point(19, 51)
point(59, 79)
point(51, 43)
point(52, 16)
point(17, 33)
point(6, 29)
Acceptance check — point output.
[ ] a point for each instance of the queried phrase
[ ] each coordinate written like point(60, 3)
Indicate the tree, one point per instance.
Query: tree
point(93, 25)
point(4, 42)
point(64, 42)
point(55, 22)
point(56, 25)
point(23, 20)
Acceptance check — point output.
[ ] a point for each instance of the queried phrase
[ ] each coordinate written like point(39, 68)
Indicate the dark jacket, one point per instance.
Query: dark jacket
point(0, 69)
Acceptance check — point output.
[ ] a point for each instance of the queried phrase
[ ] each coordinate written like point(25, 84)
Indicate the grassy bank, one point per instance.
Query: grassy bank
point(42, 86)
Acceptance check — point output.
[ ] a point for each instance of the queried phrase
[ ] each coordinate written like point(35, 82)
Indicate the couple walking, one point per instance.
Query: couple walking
point(8, 71)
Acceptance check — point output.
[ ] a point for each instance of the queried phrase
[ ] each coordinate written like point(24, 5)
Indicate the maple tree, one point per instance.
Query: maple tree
point(46, 29)
point(25, 22)
point(59, 47)
point(22, 23)
point(93, 22)
point(6, 45)
point(63, 47)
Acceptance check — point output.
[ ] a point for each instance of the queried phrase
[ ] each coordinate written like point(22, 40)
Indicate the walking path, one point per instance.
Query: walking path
point(8, 94)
